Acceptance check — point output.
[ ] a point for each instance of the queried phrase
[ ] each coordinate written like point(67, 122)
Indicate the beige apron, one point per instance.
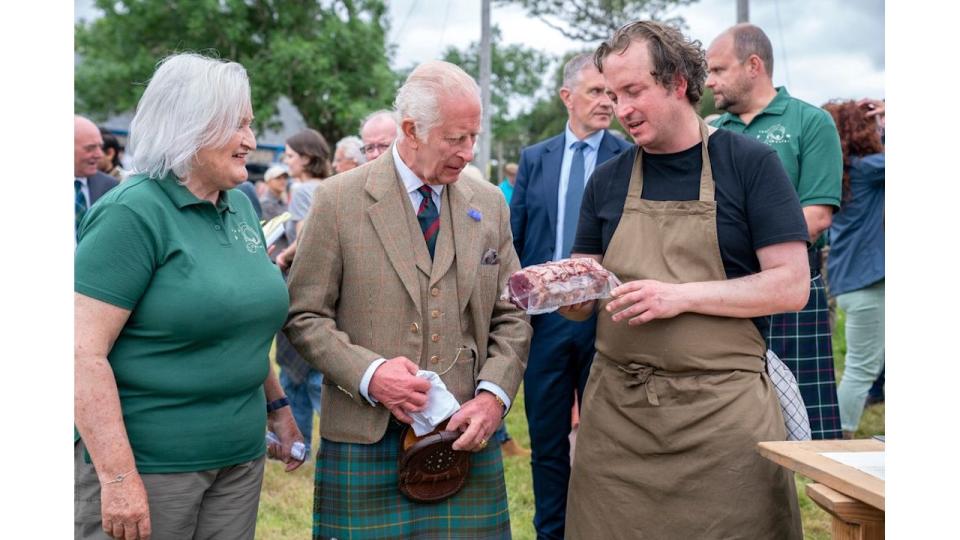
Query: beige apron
point(673, 408)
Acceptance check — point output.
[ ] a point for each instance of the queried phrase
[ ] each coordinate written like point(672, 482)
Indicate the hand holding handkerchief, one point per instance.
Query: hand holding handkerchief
point(440, 405)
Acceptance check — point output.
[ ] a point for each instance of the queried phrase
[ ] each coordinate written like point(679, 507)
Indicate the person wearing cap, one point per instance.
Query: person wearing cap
point(274, 201)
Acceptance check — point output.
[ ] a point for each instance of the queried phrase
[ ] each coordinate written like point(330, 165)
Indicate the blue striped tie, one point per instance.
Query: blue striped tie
point(429, 218)
point(571, 207)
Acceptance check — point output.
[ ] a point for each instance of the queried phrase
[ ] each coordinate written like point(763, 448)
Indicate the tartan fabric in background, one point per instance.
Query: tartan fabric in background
point(290, 360)
point(803, 341)
point(356, 482)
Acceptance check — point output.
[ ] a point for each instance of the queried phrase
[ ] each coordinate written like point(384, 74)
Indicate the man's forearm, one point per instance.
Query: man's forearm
point(818, 218)
point(776, 290)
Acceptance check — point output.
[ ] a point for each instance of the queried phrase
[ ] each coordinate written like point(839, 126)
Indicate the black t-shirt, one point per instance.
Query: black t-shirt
point(756, 203)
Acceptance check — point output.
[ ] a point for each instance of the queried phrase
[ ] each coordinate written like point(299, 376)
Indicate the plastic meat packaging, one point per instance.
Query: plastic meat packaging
point(543, 288)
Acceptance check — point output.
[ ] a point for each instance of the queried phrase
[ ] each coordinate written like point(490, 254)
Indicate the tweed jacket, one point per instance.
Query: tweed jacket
point(363, 287)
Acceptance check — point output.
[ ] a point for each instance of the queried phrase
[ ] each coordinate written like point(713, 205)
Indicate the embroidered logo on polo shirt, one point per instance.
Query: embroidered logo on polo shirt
point(250, 237)
point(775, 134)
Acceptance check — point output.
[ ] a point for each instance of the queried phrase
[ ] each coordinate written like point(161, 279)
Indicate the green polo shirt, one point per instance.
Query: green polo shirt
point(205, 302)
point(806, 139)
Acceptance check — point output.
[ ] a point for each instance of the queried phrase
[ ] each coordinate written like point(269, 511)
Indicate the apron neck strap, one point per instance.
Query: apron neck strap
point(707, 185)
point(706, 171)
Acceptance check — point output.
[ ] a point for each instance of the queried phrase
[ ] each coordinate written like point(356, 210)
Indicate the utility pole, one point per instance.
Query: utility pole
point(743, 11)
point(483, 152)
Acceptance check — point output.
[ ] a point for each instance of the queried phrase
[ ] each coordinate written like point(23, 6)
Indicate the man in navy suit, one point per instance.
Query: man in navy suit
point(544, 212)
point(89, 184)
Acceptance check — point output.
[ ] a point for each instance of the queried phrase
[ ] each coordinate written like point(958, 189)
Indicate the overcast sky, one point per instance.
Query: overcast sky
point(823, 49)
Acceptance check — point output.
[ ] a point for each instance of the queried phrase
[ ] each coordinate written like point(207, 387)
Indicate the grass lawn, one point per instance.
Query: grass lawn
point(286, 502)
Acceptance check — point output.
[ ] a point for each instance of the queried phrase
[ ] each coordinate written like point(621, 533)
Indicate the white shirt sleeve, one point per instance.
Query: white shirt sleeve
point(365, 381)
point(497, 391)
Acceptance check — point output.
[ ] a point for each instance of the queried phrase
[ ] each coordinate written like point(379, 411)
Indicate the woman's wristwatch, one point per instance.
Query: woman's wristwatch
point(277, 404)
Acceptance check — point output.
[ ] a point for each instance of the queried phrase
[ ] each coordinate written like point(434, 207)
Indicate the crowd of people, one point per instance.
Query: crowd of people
point(384, 284)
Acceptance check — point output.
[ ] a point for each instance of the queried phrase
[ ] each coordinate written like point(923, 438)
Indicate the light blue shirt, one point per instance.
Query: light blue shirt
point(589, 162)
point(411, 182)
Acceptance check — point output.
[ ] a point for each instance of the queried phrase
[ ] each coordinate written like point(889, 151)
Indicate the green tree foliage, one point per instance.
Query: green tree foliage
point(330, 58)
point(548, 117)
point(516, 72)
point(596, 20)
point(706, 104)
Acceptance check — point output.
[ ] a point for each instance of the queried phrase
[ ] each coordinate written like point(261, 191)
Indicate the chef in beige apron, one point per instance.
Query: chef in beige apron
point(674, 407)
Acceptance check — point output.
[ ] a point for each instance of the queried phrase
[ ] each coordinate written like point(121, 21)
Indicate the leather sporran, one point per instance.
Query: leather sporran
point(430, 470)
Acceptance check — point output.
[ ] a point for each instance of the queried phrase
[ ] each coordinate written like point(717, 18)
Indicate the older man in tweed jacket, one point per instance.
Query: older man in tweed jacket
point(400, 267)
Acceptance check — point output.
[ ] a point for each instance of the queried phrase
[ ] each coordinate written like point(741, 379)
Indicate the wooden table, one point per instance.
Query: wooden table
point(854, 498)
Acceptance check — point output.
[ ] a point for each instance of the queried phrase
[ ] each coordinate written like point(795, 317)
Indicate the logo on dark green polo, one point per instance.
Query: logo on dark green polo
point(250, 237)
point(775, 134)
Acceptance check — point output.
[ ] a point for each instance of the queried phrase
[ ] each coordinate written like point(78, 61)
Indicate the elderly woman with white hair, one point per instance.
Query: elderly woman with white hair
point(176, 305)
point(349, 154)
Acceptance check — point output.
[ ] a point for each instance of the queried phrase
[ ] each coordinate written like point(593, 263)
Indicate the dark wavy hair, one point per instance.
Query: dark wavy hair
point(310, 143)
point(859, 135)
point(110, 142)
point(672, 54)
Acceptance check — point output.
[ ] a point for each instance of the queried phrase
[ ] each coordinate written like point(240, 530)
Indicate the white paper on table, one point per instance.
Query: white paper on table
point(871, 463)
point(440, 405)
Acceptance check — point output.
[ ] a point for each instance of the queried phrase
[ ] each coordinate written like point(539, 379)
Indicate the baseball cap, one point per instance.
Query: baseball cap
point(275, 171)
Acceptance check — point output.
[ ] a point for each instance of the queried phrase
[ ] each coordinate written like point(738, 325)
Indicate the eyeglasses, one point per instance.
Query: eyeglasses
point(374, 147)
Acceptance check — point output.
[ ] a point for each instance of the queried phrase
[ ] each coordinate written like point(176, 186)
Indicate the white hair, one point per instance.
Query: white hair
point(378, 114)
point(191, 102)
point(351, 148)
point(419, 97)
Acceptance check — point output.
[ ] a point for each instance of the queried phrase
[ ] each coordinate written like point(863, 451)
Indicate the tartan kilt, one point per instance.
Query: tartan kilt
point(803, 341)
point(356, 496)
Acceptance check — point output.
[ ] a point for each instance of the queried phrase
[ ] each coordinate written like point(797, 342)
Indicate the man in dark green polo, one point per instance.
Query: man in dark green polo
point(740, 64)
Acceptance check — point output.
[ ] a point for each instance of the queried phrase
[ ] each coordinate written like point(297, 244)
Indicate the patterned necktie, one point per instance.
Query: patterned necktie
point(571, 208)
point(429, 218)
point(79, 205)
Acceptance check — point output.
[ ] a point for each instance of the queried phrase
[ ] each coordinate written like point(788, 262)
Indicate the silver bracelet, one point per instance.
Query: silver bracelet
point(120, 477)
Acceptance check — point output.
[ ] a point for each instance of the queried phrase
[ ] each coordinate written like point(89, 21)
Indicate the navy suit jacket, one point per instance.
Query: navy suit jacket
point(533, 208)
point(99, 184)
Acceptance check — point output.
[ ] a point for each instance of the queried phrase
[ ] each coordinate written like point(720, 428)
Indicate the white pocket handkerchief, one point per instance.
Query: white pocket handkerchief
point(440, 405)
